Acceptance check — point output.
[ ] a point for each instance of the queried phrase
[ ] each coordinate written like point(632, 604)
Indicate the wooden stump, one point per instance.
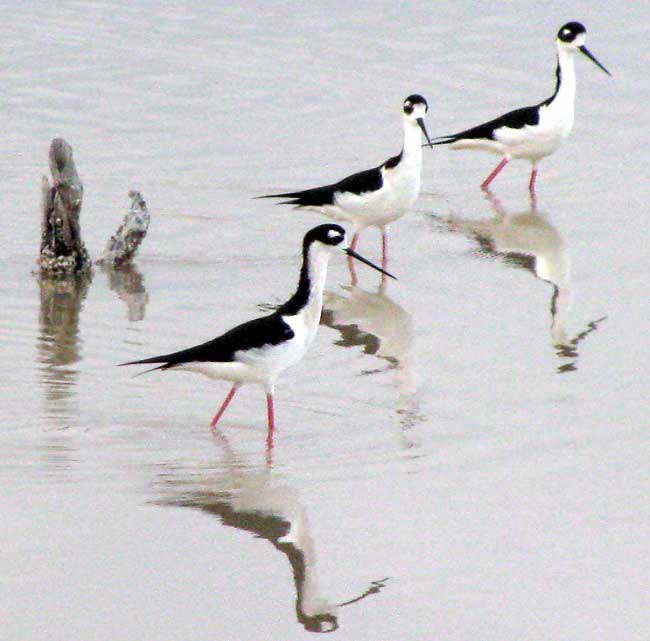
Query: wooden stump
point(62, 250)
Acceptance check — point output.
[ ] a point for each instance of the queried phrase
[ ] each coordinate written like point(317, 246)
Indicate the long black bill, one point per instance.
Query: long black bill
point(359, 257)
point(420, 122)
point(593, 58)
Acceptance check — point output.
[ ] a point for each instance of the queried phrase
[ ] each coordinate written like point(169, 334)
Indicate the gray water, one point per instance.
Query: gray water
point(462, 455)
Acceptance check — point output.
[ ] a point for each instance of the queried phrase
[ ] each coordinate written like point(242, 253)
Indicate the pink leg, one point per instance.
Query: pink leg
point(353, 273)
point(271, 419)
point(533, 177)
point(485, 184)
point(223, 407)
point(269, 411)
point(384, 252)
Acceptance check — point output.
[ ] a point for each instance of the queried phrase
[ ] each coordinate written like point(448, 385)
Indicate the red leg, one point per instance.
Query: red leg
point(384, 252)
point(353, 273)
point(223, 407)
point(269, 411)
point(533, 177)
point(271, 419)
point(485, 184)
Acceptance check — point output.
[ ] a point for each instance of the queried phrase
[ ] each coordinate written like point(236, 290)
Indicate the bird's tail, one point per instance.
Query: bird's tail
point(154, 359)
point(295, 197)
point(315, 197)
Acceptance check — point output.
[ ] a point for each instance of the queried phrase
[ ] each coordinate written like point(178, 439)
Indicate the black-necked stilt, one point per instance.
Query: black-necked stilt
point(259, 350)
point(375, 197)
point(533, 132)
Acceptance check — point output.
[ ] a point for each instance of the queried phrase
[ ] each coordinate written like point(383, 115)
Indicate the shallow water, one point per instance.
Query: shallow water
point(462, 454)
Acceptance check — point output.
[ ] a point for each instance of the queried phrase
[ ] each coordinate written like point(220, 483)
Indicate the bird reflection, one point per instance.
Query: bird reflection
point(382, 328)
point(529, 241)
point(128, 283)
point(59, 342)
point(249, 498)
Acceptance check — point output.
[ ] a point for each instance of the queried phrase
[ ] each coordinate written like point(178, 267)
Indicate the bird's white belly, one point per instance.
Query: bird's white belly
point(234, 371)
point(261, 365)
point(530, 141)
point(396, 196)
point(538, 141)
point(269, 361)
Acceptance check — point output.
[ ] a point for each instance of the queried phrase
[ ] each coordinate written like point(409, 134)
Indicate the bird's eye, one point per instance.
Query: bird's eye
point(566, 35)
point(408, 108)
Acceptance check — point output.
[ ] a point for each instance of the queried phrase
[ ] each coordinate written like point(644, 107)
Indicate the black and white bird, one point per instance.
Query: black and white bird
point(533, 132)
point(259, 350)
point(379, 196)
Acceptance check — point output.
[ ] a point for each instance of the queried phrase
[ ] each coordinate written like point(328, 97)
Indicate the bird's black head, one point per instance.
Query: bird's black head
point(328, 234)
point(415, 109)
point(570, 31)
point(332, 236)
point(571, 37)
point(412, 101)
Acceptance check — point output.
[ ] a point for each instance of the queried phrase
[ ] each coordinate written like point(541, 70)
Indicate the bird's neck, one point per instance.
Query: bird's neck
point(308, 297)
point(565, 87)
point(412, 150)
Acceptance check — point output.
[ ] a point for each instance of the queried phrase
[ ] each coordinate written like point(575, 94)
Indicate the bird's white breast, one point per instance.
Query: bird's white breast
point(398, 193)
point(270, 360)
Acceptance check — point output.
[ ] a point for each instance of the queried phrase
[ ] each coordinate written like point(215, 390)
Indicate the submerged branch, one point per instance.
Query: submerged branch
point(122, 246)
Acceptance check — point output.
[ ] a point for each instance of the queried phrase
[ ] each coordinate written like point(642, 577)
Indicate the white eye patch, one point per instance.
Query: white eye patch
point(333, 234)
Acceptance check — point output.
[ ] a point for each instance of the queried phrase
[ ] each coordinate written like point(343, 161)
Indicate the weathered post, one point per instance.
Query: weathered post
point(62, 250)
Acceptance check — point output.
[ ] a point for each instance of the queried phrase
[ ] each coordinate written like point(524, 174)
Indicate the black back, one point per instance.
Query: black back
point(516, 119)
point(359, 183)
point(391, 163)
point(260, 332)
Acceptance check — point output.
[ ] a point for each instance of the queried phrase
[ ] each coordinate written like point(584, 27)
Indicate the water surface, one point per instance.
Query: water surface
point(462, 455)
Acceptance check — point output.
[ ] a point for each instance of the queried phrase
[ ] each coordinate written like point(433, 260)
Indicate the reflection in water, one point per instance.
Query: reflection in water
point(529, 241)
point(249, 498)
point(128, 283)
point(382, 328)
point(58, 342)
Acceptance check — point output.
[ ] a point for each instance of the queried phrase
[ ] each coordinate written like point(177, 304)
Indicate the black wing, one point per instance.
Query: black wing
point(516, 119)
point(268, 330)
point(359, 183)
